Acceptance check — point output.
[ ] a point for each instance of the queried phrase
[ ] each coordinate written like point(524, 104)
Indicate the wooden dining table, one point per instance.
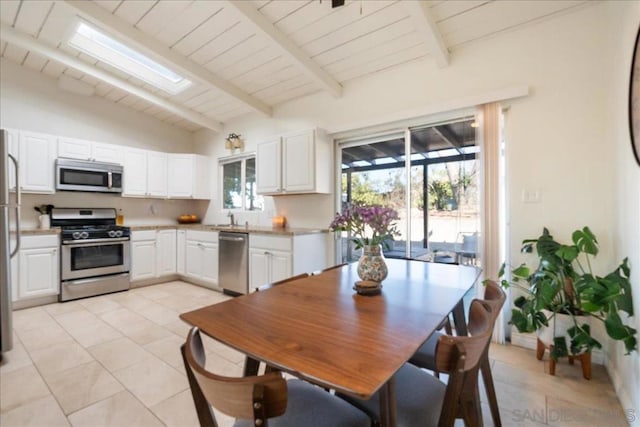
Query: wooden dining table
point(319, 329)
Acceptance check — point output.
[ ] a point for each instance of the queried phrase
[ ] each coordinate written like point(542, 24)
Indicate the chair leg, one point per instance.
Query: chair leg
point(487, 378)
point(540, 350)
point(205, 414)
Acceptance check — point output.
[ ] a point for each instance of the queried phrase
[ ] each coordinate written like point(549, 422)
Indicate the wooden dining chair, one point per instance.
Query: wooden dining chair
point(280, 282)
point(422, 399)
point(333, 267)
point(264, 400)
point(494, 298)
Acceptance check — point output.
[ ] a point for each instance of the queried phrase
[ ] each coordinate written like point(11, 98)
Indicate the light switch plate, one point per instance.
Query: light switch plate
point(531, 195)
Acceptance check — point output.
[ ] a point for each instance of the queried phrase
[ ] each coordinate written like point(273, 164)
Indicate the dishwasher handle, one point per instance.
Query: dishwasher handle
point(232, 239)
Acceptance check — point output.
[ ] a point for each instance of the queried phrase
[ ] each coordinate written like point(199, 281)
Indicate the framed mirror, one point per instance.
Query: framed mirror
point(634, 100)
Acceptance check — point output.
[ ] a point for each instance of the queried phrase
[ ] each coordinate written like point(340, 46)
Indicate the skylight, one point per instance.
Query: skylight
point(106, 49)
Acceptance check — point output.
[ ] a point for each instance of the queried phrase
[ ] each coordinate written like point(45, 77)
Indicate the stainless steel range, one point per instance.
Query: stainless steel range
point(95, 252)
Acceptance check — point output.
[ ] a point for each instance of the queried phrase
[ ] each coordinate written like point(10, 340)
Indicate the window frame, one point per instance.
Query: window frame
point(243, 180)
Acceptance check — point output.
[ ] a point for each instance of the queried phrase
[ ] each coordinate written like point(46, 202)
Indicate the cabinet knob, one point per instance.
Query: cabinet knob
point(266, 253)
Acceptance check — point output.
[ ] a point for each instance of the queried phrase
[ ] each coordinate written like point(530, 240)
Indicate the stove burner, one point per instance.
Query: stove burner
point(81, 232)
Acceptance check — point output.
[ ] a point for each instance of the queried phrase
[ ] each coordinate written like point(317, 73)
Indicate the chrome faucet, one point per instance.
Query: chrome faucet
point(232, 220)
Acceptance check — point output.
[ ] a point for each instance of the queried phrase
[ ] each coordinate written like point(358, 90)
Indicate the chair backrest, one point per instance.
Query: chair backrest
point(280, 282)
point(254, 397)
point(494, 297)
point(315, 273)
point(473, 346)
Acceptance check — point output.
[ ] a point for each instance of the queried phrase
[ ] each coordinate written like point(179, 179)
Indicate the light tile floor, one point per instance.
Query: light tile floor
point(114, 360)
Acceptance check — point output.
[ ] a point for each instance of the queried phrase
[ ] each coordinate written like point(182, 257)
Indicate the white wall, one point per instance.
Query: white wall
point(559, 138)
point(625, 370)
point(32, 101)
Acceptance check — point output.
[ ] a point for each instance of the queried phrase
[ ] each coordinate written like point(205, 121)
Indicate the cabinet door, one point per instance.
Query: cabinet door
point(269, 167)
point(143, 260)
point(37, 157)
point(14, 150)
point(210, 263)
point(109, 153)
point(166, 252)
point(156, 174)
point(280, 265)
point(193, 260)
point(135, 173)
point(298, 171)
point(258, 268)
point(180, 176)
point(72, 148)
point(202, 184)
point(38, 273)
point(181, 248)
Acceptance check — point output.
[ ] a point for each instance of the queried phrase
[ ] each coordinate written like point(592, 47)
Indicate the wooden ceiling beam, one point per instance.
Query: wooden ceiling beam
point(150, 46)
point(427, 27)
point(27, 42)
point(287, 47)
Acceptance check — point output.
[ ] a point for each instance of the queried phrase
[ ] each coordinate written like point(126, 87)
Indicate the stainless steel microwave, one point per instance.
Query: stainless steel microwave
point(80, 175)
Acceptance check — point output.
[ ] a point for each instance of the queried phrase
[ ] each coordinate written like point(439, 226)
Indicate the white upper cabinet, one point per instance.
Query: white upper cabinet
point(298, 162)
point(269, 169)
point(72, 148)
point(188, 177)
point(135, 173)
point(37, 157)
point(156, 174)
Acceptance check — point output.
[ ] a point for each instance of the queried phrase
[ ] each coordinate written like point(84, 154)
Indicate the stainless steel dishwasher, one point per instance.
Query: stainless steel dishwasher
point(233, 262)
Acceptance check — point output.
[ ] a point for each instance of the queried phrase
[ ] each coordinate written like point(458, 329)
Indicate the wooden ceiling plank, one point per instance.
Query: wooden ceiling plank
point(386, 62)
point(277, 10)
point(260, 81)
point(9, 11)
point(201, 36)
point(360, 28)
point(355, 46)
point(53, 69)
point(90, 80)
point(133, 11)
point(306, 89)
point(16, 37)
point(342, 17)
point(448, 9)
point(35, 61)
point(233, 38)
point(238, 65)
point(149, 45)
point(57, 25)
point(366, 57)
point(32, 16)
point(14, 52)
point(161, 15)
point(103, 88)
point(191, 18)
point(71, 72)
point(110, 5)
point(305, 16)
point(288, 47)
point(425, 24)
point(495, 17)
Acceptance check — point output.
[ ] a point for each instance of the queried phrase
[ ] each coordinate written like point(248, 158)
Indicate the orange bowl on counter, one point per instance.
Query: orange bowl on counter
point(188, 219)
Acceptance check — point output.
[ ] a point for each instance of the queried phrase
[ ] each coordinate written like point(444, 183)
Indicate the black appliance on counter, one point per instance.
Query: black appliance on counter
point(95, 252)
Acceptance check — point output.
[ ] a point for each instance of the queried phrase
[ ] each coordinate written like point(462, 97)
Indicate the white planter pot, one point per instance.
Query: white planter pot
point(558, 327)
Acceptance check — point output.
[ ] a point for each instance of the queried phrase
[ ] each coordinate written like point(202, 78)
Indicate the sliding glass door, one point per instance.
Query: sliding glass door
point(435, 189)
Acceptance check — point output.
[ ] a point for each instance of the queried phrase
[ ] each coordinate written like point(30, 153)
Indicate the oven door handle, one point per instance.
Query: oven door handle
point(109, 179)
point(93, 241)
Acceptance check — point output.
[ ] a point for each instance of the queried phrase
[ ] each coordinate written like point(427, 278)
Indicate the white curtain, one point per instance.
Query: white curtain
point(489, 119)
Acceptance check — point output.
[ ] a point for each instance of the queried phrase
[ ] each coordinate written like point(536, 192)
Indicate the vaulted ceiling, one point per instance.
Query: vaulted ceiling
point(250, 55)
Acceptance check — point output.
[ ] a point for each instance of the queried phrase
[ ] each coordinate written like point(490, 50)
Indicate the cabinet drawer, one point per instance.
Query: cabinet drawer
point(137, 236)
point(203, 236)
point(34, 242)
point(265, 241)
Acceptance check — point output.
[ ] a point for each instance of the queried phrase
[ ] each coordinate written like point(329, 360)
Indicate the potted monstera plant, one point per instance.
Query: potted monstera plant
point(562, 295)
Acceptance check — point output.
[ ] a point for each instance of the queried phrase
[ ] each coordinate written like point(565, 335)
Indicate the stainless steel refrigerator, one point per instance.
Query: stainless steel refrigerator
point(9, 204)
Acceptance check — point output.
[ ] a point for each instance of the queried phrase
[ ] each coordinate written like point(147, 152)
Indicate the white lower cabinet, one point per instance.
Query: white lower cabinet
point(153, 254)
point(37, 272)
point(273, 258)
point(181, 248)
point(201, 256)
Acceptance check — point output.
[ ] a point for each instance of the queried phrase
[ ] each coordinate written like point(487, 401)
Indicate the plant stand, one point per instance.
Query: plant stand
point(584, 358)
